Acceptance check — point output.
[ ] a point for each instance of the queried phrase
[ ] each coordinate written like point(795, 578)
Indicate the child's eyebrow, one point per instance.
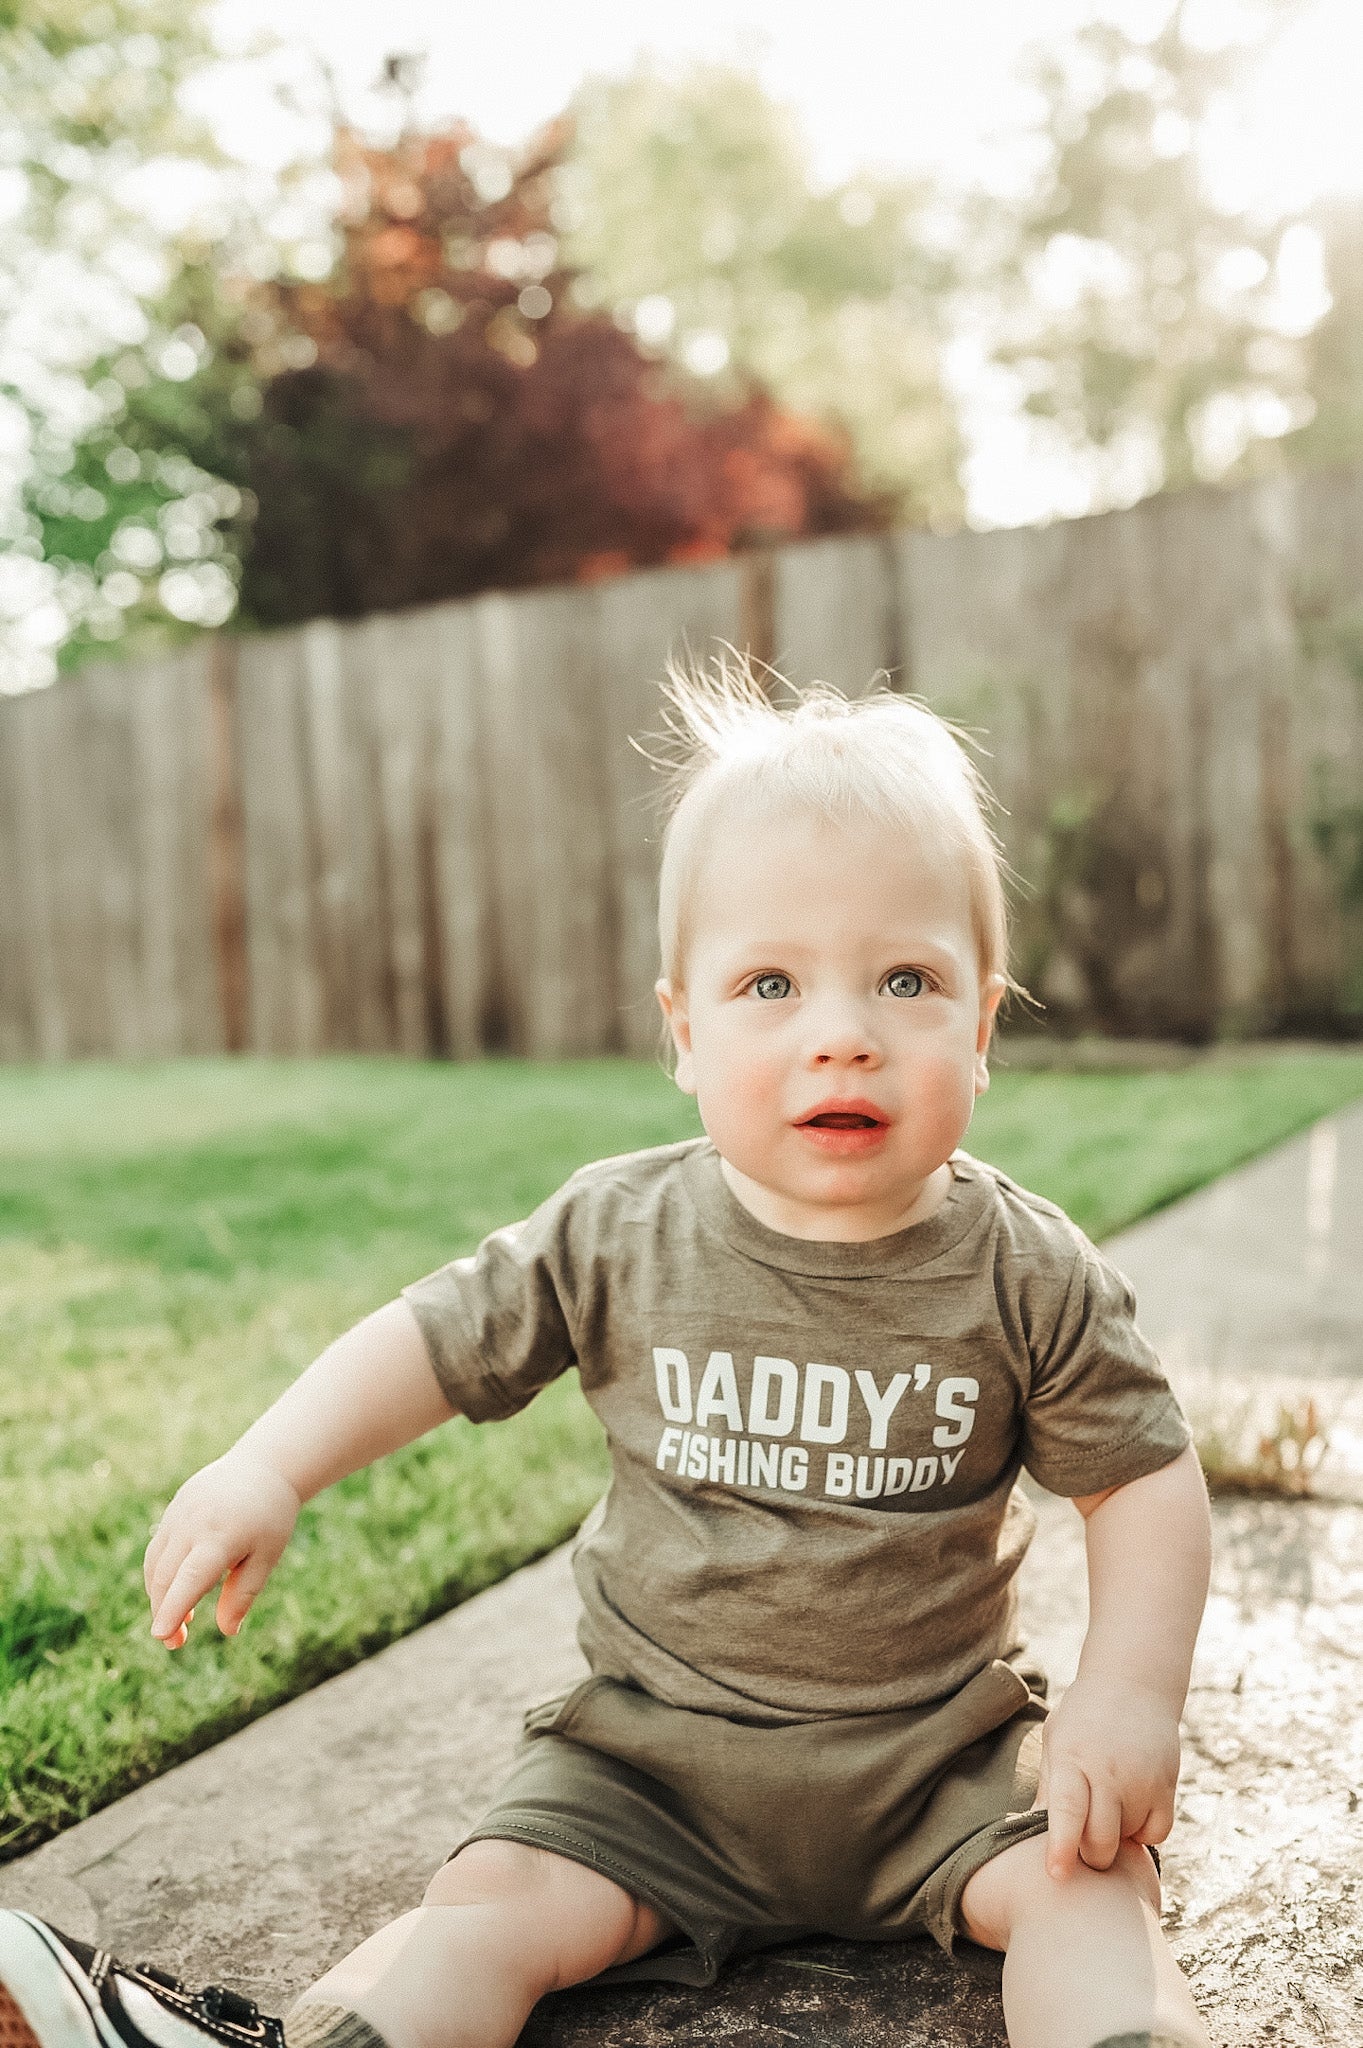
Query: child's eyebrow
point(931, 949)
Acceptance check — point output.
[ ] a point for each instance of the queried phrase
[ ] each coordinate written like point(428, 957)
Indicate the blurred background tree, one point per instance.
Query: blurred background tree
point(105, 310)
point(689, 205)
point(401, 370)
point(425, 399)
point(443, 414)
point(1142, 315)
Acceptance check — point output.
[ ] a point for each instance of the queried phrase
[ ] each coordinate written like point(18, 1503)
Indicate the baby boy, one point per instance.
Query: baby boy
point(822, 1341)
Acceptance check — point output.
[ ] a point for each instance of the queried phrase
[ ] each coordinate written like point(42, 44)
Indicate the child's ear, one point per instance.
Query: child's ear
point(673, 1005)
point(991, 995)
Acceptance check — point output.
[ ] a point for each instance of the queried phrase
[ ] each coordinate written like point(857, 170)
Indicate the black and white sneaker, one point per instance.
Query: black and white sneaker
point(60, 1993)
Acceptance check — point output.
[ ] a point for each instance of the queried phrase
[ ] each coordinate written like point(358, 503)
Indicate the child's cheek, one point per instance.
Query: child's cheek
point(743, 1093)
point(954, 1096)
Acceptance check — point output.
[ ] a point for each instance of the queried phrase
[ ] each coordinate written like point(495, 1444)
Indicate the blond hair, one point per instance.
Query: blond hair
point(883, 757)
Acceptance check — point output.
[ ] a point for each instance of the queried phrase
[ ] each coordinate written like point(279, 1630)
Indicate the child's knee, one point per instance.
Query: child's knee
point(488, 1872)
point(585, 1919)
point(1015, 1885)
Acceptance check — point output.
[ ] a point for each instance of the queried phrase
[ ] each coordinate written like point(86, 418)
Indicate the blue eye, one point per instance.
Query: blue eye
point(771, 987)
point(905, 981)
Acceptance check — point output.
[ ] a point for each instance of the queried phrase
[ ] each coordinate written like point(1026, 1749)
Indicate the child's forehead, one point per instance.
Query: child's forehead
point(825, 878)
point(760, 841)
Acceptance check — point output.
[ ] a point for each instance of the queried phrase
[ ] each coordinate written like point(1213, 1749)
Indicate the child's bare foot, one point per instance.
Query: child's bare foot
point(56, 1992)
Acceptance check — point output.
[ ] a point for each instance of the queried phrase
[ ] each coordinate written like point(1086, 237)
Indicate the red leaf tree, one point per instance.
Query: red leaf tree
point(441, 415)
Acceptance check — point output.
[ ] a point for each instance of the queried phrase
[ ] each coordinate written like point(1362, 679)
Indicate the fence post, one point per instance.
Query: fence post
point(227, 851)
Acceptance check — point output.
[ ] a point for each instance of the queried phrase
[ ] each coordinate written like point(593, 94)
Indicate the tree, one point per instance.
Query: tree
point(442, 414)
point(1139, 315)
point(106, 317)
point(91, 99)
point(688, 203)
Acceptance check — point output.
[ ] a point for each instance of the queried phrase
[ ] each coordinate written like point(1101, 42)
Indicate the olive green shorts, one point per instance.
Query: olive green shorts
point(866, 1826)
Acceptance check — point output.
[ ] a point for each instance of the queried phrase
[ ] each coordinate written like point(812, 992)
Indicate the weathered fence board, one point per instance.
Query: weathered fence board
point(35, 879)
point(552, 899)
point(104, 842)
point(1154, 726)
point(456, 845)
point(643, 619)
point(429, 833)
point(837, 612)
point(287, 1003)
point(179, 997)
point(1322, 551)
point(342, 827)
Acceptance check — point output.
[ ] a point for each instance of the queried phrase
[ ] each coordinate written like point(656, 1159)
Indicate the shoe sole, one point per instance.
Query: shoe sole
point(45, 2001)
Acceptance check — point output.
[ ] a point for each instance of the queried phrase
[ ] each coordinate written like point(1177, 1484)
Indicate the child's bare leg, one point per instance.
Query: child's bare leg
point(1085, 1961)
point(501, 1924)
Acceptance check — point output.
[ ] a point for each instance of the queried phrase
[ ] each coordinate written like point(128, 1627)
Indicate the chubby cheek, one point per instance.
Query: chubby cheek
point(946, 1096)
point(738, 1093)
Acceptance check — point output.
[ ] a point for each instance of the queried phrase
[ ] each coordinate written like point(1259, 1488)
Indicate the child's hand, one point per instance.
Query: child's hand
point(231, 1521)
point(1109, 1771)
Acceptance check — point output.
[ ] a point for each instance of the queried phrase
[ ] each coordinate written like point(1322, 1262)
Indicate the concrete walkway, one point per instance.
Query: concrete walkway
point(262, 1860)
point(1261, 1273)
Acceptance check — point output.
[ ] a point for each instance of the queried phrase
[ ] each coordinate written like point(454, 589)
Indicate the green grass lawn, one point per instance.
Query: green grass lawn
point(177, 1241)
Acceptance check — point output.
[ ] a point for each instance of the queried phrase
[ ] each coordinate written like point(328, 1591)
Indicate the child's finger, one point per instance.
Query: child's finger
point(239, 1590)
point(152, 1554)
point(198, 1574)
point(1102, 1835)
point(164, 1575)
point(1158, 1823)
point(1068, 1805)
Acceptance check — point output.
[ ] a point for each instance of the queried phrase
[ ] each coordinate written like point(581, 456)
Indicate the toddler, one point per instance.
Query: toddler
point(822, 1340)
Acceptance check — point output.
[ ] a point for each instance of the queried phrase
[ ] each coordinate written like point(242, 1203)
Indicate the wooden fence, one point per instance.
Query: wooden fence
point(428, 833)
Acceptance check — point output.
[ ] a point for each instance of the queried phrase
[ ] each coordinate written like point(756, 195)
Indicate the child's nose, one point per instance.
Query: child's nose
point(842, 1038)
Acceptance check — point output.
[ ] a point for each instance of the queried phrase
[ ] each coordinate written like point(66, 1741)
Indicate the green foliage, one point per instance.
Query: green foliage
point(144, 540)
point(1137, 310)
point(689, 204)
point(107, 317)
point(201, 389)
point(438, 413)
point(92, 90)
point(178, 1240)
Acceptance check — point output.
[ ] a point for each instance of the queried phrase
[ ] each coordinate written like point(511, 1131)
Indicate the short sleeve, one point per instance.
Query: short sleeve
point(1100, 1412)
point(496, 1324)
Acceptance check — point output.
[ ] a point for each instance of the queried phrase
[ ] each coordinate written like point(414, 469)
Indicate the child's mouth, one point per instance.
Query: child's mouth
point(845, 1132)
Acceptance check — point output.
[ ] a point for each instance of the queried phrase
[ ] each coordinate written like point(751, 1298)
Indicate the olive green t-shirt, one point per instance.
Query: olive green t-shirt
point(814, 1446)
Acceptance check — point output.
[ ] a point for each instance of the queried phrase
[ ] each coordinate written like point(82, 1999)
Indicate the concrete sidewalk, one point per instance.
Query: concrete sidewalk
point(1252, 1290)
point(262, 1860)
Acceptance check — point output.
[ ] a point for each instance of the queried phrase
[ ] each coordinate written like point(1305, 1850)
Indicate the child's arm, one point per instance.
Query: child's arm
point(1111, 1754)
point(369, 1393)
